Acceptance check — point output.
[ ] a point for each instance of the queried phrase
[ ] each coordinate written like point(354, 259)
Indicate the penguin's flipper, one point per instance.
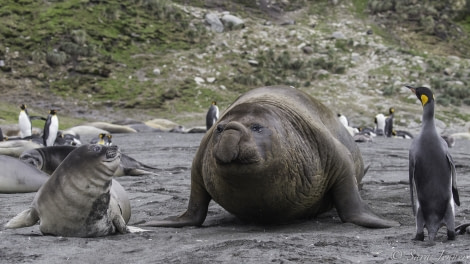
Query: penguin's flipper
point(37, 118)
point(412, 183)
point(26, 218)
point(455, 191)
point(45, 132)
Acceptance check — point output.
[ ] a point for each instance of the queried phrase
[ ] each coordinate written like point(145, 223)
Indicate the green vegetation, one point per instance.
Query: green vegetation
point(360, 8)
point(433, 25)
point(87, 47)
point(145, 54)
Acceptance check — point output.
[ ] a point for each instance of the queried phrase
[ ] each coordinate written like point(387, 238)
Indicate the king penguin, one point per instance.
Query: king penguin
point(389, 123)
point(51, 128)
point(212, 115)
point(432, 175)
point(24, 123)
point(379, 124)
point(343, 120)
point(103, 139)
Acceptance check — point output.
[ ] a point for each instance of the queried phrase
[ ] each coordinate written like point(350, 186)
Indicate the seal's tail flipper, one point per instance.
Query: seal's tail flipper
point(134, 229)
point(137, 172)
point(24, 219)
point(461, 229)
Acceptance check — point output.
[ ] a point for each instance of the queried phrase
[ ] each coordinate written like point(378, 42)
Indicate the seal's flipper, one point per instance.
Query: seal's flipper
point(134, 229)
point(26, 218)
point(194, 216)
point(197, 208)
point(120, 224)
point(137, 172)
point(352, 209)
point(462, 229)
point(185, 219)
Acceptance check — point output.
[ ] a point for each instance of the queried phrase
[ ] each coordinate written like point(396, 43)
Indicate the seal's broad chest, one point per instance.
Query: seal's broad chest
point(87, 220)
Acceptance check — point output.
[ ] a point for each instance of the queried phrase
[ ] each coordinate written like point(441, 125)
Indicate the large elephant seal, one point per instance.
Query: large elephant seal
point(18, 177)
point(48, 159)
point(274, 156)
point(80, 199)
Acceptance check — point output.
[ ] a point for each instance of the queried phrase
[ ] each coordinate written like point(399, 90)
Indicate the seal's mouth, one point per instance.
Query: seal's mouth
point(112, 153)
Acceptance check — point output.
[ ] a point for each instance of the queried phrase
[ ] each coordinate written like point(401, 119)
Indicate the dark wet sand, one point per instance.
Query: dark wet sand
point(225, 239)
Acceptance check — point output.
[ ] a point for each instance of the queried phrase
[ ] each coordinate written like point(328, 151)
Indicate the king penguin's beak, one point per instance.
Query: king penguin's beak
point(411, 88)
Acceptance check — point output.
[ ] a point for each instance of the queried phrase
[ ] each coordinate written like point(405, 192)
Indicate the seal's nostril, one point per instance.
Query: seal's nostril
point(112, 152)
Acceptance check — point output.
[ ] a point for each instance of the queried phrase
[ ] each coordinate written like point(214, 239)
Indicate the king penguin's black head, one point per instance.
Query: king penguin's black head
point(424, 94)
point(391, 110)
point(52, 111)
point(23, 106)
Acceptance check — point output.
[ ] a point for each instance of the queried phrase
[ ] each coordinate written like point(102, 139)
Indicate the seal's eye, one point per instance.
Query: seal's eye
point(219, 129)
point(256, 128)
point(95, 148)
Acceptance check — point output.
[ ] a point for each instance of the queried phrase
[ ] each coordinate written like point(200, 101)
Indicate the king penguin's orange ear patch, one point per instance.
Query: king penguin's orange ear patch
point(424, 99)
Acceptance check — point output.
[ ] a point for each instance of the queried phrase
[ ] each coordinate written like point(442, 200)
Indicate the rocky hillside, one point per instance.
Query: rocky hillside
point(99, 60)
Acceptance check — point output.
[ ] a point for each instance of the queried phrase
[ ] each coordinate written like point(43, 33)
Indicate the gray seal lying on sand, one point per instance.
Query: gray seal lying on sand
point(18, 177)
point(48, 159)
point(80, 199)
point(277, 155)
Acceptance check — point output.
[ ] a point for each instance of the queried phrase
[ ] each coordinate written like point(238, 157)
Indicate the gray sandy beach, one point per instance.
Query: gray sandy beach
point(225, 239)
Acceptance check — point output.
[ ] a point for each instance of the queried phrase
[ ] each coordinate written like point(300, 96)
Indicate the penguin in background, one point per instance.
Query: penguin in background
point(389, 123)
point(24, 122)
point(379, 124)
point(51, 128)
point(108, 140)
point(67, 140)
point(449, 140)
point(432, 175)
point(103, 139)
point(212, 115)
point(343, 120)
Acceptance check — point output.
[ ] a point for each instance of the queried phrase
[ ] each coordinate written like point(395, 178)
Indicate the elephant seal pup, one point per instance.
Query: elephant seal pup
point(277, 155)
point(48, 159)
point(112, 128)
point(84, 131)
point(18, 177)
point(14, 148)
point(79, 199)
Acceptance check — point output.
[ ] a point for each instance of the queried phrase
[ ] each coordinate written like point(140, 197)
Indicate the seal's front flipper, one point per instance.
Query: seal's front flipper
point(367, 218)
point(26, 218)
point(197, 208)
point(186, 219)
point(352, 209)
